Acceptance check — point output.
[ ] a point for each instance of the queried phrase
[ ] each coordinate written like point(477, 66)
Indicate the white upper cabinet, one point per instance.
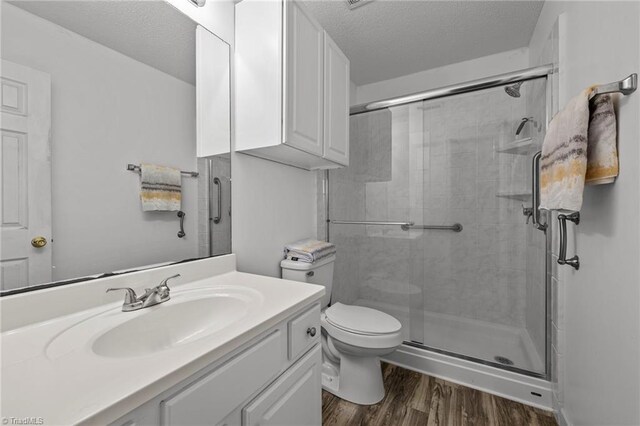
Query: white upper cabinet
point(305, 97)
point(291, 87)
point(336, 101)
point(213, 95)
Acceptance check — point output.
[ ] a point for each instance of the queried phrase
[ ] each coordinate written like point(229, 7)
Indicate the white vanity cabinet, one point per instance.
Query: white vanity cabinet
point(291, 87)
point(263, 382)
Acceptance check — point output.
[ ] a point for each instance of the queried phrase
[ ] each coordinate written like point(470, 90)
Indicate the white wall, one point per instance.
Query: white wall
point(450, 74)
point(272, 205)
point(107, 110)
point(599, 312)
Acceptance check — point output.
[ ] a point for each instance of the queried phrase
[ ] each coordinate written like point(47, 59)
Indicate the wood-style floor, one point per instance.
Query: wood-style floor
point(416, 399)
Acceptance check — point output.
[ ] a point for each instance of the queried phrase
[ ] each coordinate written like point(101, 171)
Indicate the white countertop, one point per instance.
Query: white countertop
point(76, 385)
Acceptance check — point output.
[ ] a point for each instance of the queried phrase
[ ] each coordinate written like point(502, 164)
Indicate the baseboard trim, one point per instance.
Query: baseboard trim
point(527, 390)
point(561, 418)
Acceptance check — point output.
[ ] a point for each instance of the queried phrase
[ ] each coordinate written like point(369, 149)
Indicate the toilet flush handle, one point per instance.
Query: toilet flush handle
point(310, 273)
point(311, 331)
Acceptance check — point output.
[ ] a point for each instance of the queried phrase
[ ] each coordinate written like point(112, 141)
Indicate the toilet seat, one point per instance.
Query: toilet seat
point(349, 325)
point(361, 320)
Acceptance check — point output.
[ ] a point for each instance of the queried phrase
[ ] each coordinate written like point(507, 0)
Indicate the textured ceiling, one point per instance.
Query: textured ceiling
point(152, 32)
point(386, 38)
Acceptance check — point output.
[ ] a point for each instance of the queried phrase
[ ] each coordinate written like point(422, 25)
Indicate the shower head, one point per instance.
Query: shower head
point(513, 91)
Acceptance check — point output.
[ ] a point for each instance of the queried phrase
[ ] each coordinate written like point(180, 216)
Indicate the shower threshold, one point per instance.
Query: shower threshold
point(469, 339)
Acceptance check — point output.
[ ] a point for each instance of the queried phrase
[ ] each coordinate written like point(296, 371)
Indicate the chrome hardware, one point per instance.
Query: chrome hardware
point(310, 273)
point(181, 215)
point(456, 227)
point(152, 296)
point(198, 3)
point(562, 255)
point(311, 331)
point(39, 242)
point(626, 86)
point(137, 169)
point(535, 192)
point(528, 212)
point(218, 218)
point(370, 222)
point(456, 89)
point(131, 302)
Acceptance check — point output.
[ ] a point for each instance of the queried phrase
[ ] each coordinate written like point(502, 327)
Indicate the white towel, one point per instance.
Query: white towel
point(160, 188)
point(308, 250)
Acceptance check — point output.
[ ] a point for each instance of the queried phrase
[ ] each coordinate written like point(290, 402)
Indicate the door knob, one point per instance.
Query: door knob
point(39, 242)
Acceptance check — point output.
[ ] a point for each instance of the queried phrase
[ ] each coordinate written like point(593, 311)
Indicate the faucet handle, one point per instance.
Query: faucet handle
point(130, 297)
point(164, 282)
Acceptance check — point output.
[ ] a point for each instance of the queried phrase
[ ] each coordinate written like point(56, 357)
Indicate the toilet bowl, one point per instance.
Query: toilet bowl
point(353, 338)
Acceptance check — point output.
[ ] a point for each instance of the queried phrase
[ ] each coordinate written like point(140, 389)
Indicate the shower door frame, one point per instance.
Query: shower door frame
point(544, 71)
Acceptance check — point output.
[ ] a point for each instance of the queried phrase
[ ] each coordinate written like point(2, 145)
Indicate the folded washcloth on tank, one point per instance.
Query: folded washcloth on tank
point(308, 250)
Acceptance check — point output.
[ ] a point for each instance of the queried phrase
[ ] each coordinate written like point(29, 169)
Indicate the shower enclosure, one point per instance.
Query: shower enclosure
point(433, 223)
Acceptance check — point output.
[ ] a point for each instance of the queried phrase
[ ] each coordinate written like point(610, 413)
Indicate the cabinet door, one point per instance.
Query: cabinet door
point(211, 398)
point(213, 95)
point(336, 103)
point(304, 80)
point(294, 399)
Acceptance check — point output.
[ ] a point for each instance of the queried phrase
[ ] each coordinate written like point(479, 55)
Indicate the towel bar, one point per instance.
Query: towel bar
point(135, 168)
point(626, 86)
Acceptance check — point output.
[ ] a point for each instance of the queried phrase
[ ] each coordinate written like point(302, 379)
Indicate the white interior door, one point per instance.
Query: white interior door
point(25, 210)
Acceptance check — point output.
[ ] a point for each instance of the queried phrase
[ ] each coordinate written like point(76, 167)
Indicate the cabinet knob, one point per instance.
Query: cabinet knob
point(311, 331)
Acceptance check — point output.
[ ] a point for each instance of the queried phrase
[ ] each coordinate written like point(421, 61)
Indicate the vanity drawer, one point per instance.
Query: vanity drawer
point(211, 398)
point(304, 331)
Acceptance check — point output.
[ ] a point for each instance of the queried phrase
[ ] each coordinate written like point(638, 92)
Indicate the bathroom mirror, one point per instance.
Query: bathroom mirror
point(91, 90)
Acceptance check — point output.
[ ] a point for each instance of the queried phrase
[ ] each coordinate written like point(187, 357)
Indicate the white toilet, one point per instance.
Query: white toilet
point(353, 338)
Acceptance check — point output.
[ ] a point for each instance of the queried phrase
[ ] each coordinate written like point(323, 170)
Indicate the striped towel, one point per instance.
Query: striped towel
point(308, 250)
point(160, 188)
point(602, 153)
point(579, 147)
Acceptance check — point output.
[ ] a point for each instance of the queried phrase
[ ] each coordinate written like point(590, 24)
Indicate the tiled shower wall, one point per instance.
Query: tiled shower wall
point(436, 163)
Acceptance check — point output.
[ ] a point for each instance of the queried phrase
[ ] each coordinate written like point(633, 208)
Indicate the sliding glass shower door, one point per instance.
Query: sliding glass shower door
point(431, 221)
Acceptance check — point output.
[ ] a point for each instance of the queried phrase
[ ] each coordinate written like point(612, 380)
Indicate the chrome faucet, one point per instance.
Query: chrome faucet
point(152, 296)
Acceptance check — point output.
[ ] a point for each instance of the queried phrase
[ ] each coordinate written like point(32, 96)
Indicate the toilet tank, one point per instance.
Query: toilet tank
point(319, 272)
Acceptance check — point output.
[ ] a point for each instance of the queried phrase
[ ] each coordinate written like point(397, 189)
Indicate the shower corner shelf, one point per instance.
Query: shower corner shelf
point(523, 195)
point(519, 147)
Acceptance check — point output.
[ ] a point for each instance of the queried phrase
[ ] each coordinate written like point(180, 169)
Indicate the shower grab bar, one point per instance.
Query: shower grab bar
point(217, 182)
point(456, 227)
point(368, 222)
point(562, 254)
point(535, 192)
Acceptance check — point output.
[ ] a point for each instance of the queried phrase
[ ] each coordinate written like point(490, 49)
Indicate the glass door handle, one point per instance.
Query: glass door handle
point(218, 183)
point(562, 252)
point(535, 192)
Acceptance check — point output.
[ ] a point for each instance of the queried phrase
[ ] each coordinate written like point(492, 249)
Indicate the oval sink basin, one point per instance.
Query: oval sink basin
point(189, 316)
point(171, 325)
